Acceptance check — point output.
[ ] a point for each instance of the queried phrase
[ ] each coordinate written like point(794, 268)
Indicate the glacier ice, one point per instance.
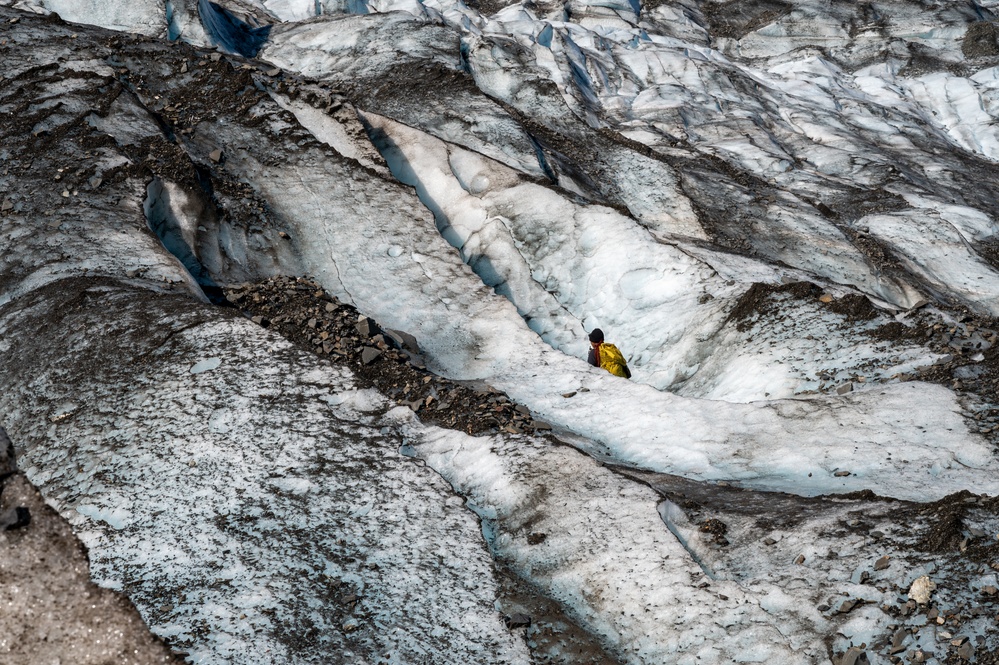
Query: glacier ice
point(499, 179)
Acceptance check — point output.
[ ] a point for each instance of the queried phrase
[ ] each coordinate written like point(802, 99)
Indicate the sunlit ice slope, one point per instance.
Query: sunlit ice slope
point(497, 181)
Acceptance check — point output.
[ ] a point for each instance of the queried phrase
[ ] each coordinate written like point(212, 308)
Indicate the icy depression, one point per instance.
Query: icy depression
point(715, 185)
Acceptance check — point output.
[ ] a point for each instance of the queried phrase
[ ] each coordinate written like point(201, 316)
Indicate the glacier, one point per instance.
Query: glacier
point(782, 212)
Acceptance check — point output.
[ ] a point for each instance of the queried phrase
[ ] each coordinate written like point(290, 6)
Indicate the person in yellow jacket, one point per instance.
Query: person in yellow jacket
point(606, 355)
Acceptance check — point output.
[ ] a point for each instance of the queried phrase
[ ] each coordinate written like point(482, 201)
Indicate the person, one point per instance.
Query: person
point(606, 355)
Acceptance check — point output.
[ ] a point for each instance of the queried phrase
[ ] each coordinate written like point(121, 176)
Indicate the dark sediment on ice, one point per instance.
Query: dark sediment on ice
point(302, 312)
point(52, 611)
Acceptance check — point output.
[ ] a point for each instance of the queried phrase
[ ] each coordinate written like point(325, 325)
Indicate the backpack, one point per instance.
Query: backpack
point(612, 360)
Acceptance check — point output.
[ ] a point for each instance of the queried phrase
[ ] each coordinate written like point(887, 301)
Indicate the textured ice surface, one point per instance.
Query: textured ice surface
point(560, 170)
point(470, 333)
point(53, 612)
point(147, 17)
point(289, 491)
point(606, 554)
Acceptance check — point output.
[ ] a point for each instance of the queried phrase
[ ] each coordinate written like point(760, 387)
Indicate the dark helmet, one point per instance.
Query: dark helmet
point(597, 335)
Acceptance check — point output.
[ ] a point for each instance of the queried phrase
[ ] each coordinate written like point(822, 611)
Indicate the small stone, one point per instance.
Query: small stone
point(364, 326)
point(95, 182)
point(369, 354)
point(932, 614)
point(841, 474)
point(846, 606)
point(966, 651)
point(800, 560)
point(882, 563)
point(844, 389)
point(568, 395)
point(826, 298)
point(989, 590)
point(853, 656)
point(183, 68)
point(769, 541)
point(404, 340)
point(541, 425)
point(898, 641)
point(6, 205)
point(65, 193)
point(517, 620)
point(272, 72)
point(215, 155)
point(330, 307)
point(921, 589)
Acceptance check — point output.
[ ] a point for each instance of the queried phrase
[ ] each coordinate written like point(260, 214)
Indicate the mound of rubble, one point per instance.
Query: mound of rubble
point(389, 360)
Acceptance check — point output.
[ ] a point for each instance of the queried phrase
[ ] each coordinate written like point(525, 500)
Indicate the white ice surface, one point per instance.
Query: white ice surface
point(567, 266)
point(284, 484)
point(610, 68)
point(936, 248)
point(470, 333)
point(147, 17)
point(607, 554)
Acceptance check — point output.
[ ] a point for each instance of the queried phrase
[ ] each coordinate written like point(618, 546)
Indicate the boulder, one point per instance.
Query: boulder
point(921, 589)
